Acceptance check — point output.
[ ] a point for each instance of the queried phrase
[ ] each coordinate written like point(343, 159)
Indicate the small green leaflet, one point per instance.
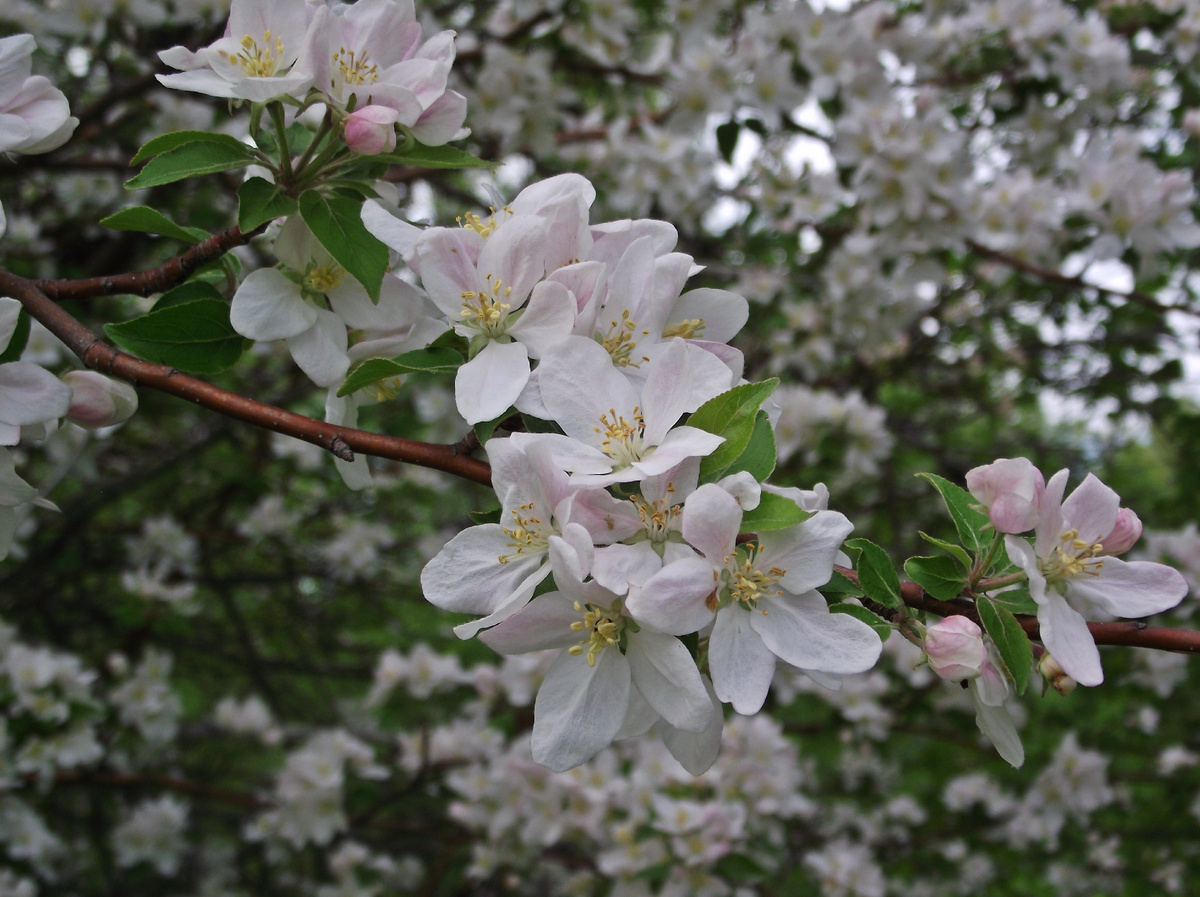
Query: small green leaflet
point(881, 626)
point(733, 415)
point(259, 200)
point(1010, 639)
point(967, 520)
point(841, 584)
point(145, 220)
point(188, 154)
point(337, 223)
point(939, 576)
point(375, 369)
point(187, 292)
point(18, 340)
point(876, 574)
point(423, 156)
point(956, 551)
point(773, 512)
point(1015, 600)
point(194, 336)
point(760, 455)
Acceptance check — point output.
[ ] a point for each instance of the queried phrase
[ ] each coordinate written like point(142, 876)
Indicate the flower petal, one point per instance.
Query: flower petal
point(741, 665)
point(667, 677)
point(579, 709)
point(1065, 634)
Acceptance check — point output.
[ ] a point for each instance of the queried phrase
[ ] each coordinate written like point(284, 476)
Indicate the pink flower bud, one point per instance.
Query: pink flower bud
point(99, 401)
point(1011, 489)
point(955, 648)
point(371, 130)
point(1125, 534)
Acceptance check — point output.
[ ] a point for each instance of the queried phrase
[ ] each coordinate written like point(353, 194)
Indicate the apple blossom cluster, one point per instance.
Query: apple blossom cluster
point(368, 62)
point(1072, 566)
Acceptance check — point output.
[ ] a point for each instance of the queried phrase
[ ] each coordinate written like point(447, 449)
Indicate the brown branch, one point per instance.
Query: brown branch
point(155, 280)
point(1132, 633)
point(1076, 283)
point(341, 441)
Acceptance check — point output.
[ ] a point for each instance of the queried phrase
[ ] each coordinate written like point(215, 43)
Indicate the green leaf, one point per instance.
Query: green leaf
point(259, 200)
point(375, 369)
point(195, 337)
point(337, 223)
point(881, 626)
point(18, 340)
point(1015, 600)
point(733, 415)
point(167, 142)
point(191, 158)
point(773, 512)
point(956, 551)
point(145, 220)
point(841, 584)
point(939, 576)
point(435, 157)
point(188, 292)
point(485, 429)
point(738, 867)
point(1011, 640)
point(481, 517)
point(967, 520)
point(727, 138)
point(876, 574)
point(760, 455)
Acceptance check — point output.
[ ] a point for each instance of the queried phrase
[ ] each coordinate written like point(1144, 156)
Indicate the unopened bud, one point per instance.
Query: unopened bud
point(371, 130)
point(1125, 534)
point(1056, 677)
point(955, 648)
point(1011, 489)
point(99, 401)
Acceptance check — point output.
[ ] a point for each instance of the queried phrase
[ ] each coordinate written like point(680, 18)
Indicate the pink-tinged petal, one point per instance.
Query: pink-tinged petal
point(668, 390)
point(629, 287)
point(547, 319)
point(1011, 489)
point(711, 521)
point(445, 257)
point(1092, 510)
point(268, 306)
point(806, 551)
point(1050, 520)
point(571, 554)
point(575, 457)
point(16, 64)
point(487, 385)
point(543, 623)
point(579, 709)
point(507, 607)
point(467, 577)
point(30, 394)
point(742, 667)
point(671, 272)
point(606, 518)
point(618, 566)
point(443, 120)
point(723, 313)
point(549, 191)
point(613, 237)
point(1130, 588)
point(13, 490)
point(320, 351)
point(801, 630)
point(673, 599)
point(1021, 553)
point(515, 256)
point(579, 384)
point(997, 725)
point(666, 675)
point(675, 485)
point(1065, 634)
point(696, 751)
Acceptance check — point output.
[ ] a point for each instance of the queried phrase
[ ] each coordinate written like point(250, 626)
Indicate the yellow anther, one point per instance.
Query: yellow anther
point(255, 60)
point(692, 328)
point(355, 69)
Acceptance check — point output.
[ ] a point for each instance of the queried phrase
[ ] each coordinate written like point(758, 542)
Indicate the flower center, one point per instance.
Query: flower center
point(1072, 557)
point(527, 535)
point(621, 341)
point(257, 61)
point(743, 582)
point(355, 69)
point(486, 311)
point(659, 519)
point(323, 278)
point(692, 328)
point(601, 629)
point(622, 439)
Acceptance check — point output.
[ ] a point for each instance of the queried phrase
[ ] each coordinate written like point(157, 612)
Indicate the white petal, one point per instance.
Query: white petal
point(545, 622)
point(801, 630)
point(487, 385)
point(547, 319)
point(10, 309)
point(807, 551)
point(579, 709)
point(30, 394)
point(673, 599)
point(617, 566)
point(697, 751)
point(1091, 510)
point(268, 306)
point(712, 519)
point(997, 725)
point(467, 577)
point(1130, 588)
point(667, 677)
point(320, 351)
point(640, 717)
point(1065, 634)
point(741, 665)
